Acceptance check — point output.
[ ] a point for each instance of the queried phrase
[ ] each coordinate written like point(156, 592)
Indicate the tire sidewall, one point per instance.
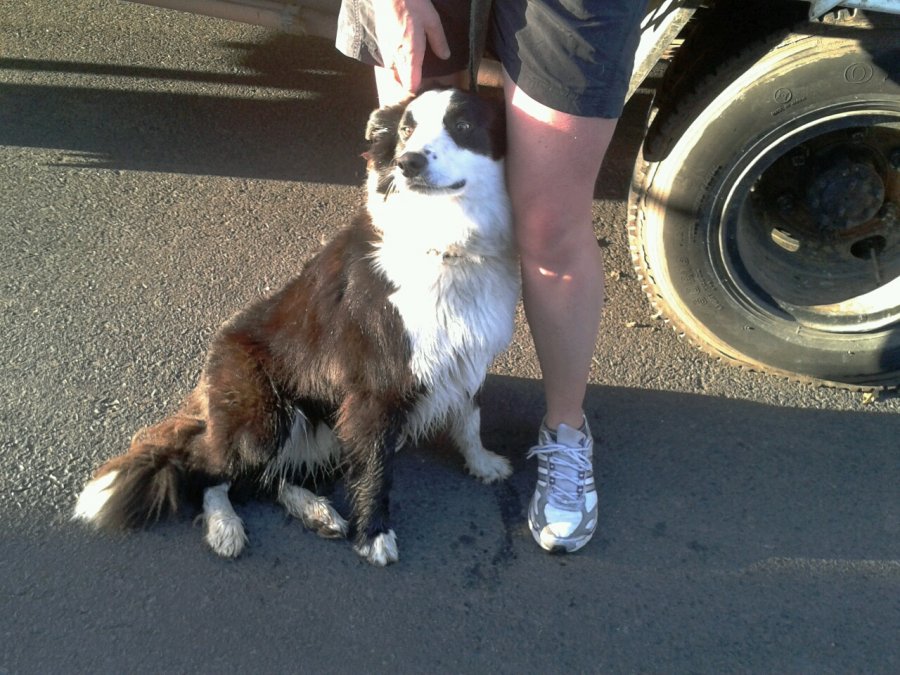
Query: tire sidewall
point(682, 236)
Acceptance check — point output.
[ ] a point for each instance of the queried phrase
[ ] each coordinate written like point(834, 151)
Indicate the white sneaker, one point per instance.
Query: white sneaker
point(563, 512)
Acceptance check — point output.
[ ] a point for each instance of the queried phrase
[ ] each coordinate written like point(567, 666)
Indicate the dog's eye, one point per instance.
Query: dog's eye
point(405, 131)
point(463, 126)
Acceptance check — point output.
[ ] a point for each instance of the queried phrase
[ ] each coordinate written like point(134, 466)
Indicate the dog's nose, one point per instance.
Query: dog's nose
point(412, 163)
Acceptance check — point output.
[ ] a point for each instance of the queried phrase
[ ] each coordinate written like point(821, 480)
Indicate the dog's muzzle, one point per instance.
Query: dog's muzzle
point(414, 167)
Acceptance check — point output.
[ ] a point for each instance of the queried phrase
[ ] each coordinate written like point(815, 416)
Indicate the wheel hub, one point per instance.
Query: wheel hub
point(845, 195)
point(820, 232)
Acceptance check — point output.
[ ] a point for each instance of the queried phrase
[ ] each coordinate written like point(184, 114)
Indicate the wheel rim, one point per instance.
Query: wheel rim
point(810, 221)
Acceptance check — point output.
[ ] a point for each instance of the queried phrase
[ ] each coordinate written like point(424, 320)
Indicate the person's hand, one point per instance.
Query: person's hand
point(403, 28)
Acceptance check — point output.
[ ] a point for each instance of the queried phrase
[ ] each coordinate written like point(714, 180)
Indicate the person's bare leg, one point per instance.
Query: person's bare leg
point(552, 164)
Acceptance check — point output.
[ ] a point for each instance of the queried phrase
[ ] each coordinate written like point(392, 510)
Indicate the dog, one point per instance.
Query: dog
point(384, 338)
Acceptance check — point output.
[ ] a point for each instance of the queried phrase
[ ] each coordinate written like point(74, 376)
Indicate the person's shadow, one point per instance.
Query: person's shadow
point(310, 129)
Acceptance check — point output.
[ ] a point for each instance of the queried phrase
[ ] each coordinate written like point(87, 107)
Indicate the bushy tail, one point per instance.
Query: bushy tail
point(149, 481)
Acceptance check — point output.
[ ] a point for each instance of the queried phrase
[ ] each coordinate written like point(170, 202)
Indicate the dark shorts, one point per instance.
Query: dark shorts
point(572, 56)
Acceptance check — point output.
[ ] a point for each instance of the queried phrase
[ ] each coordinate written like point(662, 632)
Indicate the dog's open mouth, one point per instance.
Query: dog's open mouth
point(423, 186)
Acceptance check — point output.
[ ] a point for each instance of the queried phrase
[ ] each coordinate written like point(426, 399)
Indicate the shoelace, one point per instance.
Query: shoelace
point(569, 471)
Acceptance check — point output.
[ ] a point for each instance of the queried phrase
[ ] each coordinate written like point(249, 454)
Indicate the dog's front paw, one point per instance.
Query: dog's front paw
point(381, 550)
point(488, 466)
point(224, 528)
point(225, 534)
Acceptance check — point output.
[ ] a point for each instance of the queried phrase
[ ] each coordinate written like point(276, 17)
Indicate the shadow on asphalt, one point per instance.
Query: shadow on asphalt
point(311, 131)
point(696, 480)
point(713, 511)
point(684, 480)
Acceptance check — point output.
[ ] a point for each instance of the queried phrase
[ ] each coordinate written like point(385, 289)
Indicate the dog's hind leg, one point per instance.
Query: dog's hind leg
point(224, 528)
point(316, 513)
point(465, 430)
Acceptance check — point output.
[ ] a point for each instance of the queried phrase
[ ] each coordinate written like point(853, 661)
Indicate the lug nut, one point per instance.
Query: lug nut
point(785, 203)
point(895, 159)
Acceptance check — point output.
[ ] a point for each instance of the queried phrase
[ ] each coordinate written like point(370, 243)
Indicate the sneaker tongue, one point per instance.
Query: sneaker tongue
point(566, 435)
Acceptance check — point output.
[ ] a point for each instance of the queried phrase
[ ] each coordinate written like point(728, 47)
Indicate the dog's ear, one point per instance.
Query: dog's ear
point(383, 122)
point(382, 135)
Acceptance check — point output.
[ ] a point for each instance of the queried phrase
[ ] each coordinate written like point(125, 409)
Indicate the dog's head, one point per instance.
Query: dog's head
point(443, 142)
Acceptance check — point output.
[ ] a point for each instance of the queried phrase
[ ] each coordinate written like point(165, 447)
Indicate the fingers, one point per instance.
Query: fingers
point(437, 39)
point(408, 29)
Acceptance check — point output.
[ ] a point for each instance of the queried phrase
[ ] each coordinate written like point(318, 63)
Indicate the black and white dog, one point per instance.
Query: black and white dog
point(386, 335)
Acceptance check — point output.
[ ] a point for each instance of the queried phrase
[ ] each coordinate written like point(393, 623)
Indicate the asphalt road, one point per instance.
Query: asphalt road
point(158, 170)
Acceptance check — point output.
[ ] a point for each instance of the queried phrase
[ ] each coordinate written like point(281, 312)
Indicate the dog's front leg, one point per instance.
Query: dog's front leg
point(481, 462)
point(224, 528)
point(369, 480)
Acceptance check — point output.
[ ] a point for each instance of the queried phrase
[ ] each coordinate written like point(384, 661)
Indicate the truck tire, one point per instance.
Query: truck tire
point(764, 215)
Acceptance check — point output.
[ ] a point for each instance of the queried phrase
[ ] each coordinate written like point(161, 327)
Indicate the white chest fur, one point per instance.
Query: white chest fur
point(457, 284)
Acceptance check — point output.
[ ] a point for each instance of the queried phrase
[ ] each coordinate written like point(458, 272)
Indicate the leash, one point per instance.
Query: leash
point(479, 16)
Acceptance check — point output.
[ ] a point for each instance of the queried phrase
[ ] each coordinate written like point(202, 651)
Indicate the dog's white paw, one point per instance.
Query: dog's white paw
point(380, 551)
point(313, 511)
point(225, 534)
point(488, 466)
point(224, 528)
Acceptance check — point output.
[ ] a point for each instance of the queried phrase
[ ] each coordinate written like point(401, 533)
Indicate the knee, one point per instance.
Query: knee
point(550, 241)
